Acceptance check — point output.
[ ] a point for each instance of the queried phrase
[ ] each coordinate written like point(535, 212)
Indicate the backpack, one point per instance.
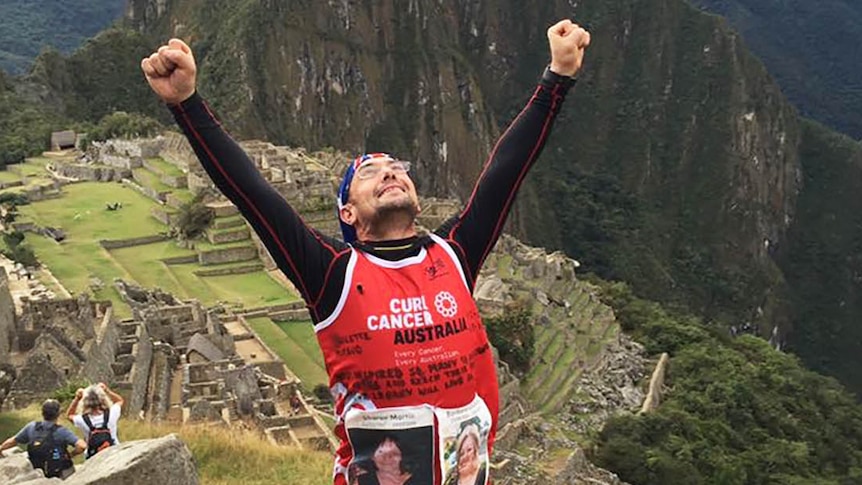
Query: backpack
point(100, 438)
point(44, 452)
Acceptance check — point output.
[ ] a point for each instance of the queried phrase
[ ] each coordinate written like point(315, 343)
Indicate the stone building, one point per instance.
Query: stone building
point(63, 140)
point(58, 341)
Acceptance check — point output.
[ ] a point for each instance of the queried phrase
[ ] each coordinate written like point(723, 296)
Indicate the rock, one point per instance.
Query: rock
point(144, 462)
point(15, 468)
point(579, 471)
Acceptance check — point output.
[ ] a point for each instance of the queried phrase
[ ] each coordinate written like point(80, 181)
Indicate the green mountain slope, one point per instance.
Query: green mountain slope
point(812, 49)
point(676, 165)
point(28, 27)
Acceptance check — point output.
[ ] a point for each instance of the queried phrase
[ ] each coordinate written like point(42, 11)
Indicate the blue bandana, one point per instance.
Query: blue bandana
point(348, 231)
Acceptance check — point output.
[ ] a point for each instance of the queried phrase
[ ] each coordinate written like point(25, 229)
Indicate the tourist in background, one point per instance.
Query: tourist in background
point(98, 416)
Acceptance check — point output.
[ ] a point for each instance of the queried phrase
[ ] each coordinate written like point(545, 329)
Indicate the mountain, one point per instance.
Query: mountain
point(677, 164)
point(812, 49)
point(28, 27)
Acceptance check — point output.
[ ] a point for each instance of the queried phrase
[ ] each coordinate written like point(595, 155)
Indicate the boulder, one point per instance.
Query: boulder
point(15, 469)
point(144, 462)
point(164, 460)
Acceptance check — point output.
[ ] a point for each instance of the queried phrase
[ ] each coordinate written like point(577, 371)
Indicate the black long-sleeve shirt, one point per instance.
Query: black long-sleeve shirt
point(316, 263)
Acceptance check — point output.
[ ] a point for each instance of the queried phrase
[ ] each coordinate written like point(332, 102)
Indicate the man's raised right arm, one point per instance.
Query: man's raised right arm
point(300, 252)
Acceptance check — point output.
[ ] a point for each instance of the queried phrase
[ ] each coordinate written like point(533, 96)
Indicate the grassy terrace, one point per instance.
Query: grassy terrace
point(150, 179)
point(32, 167)
point(81, 214)
point(296, 344)
point(6, 176)
point(164, 167)
point(79, 259)
point(32, 173)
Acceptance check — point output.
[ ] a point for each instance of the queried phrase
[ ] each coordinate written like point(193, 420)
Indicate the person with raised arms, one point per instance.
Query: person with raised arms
point(404, 345)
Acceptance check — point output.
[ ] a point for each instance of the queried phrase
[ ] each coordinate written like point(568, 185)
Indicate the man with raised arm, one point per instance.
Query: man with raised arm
point(405, 349)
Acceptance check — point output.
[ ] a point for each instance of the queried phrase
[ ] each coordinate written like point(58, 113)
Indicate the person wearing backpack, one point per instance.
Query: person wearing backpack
point(98, 417)
point(48, 443)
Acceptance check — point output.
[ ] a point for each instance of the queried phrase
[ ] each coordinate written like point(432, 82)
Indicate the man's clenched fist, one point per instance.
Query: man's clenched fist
point(568, 41)
point(171, 71)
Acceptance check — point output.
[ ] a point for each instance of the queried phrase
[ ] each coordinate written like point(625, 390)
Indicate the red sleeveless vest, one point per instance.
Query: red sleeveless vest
point(410, 368)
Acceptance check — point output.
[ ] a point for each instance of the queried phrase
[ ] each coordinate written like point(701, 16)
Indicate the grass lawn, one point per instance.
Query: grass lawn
point(143, 265)
point(307, 365)
point(7, 176)
point(251, 289)
point(150, 179)
point(165, 167)
point(81, 212)
point(183, 194)
point(32, 167)
point(76, 263)
point(29, 183)
point(302, 333)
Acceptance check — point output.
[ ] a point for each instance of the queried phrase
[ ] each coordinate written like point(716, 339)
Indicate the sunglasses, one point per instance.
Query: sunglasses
point(372, 169)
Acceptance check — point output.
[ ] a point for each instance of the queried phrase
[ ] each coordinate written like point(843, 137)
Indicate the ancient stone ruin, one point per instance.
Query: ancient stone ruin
point(183, 363)
point(175, 360)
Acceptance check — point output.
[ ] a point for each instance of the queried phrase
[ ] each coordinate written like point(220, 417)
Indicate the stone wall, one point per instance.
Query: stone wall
point(171, 323)
point(61, 356)
point(176, 150)
point(136, 241)
point(263, 253)
point(137, 148)
point(152, 194)
point(163, 215)
point(7, 317)
point(76, 316)
point(172, 200)
point(242, 382)
point(436, 211)
point(140, 373)
point(161, 373)
point(246, 268)
point(227, 235)
point(93, 173)
point(227, 255)
point(119, 161)
point(26, 339)
point(656, 385)
point(35, 193)
point(223, 209)
point(191, 258)
point(101, 352)
point(175, 181)
point(37, 379)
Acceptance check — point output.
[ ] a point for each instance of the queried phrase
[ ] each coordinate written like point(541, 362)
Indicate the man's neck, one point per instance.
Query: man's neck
point(392, 231)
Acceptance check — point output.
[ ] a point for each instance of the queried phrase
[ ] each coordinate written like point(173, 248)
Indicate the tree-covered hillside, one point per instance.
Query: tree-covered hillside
point(812, 49)
point(735, 411)
point(26, 27)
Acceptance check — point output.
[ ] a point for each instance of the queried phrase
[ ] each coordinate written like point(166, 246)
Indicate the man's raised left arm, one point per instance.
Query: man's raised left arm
point(476, 229)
